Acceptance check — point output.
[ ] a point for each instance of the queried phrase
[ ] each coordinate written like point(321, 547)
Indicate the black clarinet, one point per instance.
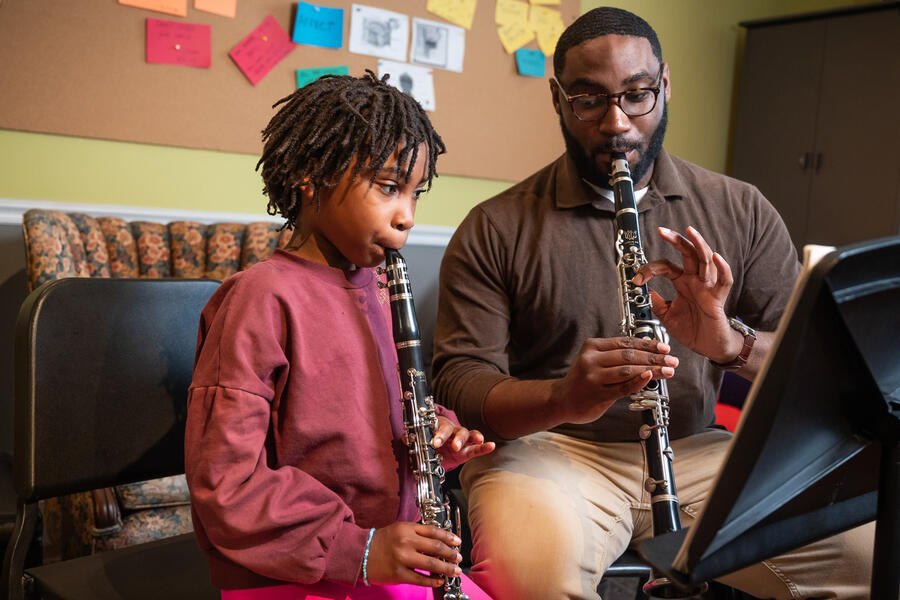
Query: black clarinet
point(419, 415)
point(653, 400)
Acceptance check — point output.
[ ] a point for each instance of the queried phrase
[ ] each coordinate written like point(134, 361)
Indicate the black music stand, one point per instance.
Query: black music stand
point(817, 450)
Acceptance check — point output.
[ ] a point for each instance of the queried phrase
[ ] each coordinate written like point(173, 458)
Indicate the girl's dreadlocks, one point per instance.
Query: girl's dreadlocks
point(326, 125)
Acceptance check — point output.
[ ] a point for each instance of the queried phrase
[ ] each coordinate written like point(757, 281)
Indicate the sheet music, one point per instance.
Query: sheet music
point(812, 254)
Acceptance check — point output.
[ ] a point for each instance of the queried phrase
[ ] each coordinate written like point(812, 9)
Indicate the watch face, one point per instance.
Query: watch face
point(739, 325)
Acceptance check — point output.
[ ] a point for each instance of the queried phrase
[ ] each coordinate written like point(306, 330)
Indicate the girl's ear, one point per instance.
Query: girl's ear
point(307, 191)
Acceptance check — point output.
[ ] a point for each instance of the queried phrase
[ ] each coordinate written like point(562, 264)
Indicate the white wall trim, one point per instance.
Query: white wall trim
point(12, 209)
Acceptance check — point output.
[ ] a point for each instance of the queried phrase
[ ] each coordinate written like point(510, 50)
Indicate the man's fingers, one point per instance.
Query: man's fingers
point(726, 279)
point(706, 270)
point(663, 267)
point(620, 343)
point(660, 306)
point(626, 357)
point(684, 246)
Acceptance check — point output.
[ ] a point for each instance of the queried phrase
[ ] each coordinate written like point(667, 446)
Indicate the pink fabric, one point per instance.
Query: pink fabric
point(329, 591)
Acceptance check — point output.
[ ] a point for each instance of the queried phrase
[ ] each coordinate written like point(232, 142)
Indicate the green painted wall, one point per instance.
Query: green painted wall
point(701, 40)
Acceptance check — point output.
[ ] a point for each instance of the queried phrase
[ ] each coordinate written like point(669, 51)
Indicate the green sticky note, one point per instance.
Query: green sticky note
point(305, 76)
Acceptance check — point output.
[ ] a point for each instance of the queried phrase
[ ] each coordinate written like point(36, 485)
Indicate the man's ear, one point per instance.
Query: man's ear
point(554, 95)
point(667, 82)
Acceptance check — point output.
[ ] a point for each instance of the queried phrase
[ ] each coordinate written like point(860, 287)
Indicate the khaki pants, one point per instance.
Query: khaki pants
point(549, 513)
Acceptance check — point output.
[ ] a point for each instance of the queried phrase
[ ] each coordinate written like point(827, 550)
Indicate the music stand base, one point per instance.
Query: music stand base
point(886, 557)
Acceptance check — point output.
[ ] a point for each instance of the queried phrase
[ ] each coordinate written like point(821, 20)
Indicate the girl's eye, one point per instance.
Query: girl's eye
point(418, 193)
point(388, 188)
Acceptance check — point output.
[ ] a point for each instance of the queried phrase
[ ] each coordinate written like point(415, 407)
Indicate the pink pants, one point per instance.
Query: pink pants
point(333, 591)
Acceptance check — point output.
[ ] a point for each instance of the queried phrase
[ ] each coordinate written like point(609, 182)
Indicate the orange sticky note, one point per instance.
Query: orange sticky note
point(226, 8)
point(171, 7)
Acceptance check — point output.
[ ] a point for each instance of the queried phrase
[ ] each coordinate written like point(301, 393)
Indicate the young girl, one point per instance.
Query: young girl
point(299, 478)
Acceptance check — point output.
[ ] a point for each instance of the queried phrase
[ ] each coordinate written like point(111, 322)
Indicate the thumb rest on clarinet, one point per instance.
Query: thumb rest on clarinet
point(653, 400)
point(419, 415)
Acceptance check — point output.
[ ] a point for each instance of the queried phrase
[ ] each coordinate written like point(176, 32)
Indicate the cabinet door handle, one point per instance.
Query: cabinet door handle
point(817, 162)
point(804, 161)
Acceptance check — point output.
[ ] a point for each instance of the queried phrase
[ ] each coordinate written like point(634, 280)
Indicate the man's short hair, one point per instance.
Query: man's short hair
point(604, 20)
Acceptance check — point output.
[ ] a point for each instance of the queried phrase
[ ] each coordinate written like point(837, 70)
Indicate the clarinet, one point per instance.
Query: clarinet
point(419, 415)
point(653, 400)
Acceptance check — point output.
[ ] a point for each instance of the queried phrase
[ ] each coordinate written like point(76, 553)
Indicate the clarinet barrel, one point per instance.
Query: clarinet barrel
point(419, 414)
point(653, 400)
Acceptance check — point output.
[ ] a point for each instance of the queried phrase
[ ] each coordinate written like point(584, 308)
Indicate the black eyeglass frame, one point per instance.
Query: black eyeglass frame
point(615, 98)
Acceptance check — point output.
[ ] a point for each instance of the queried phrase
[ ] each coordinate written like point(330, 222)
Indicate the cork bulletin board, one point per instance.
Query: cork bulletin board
point(79, 68)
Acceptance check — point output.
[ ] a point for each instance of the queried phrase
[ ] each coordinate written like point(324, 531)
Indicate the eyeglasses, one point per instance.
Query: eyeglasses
point(634, 103)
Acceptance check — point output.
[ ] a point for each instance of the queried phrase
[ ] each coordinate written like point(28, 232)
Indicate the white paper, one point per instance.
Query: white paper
point(416, 81)
point(438, 45)
point(379, 32)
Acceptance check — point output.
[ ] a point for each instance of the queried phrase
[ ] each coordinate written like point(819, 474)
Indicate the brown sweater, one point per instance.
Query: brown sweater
point(530, 274)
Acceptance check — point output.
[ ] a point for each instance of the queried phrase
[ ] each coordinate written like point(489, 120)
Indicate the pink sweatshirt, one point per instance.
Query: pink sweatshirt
point(293, 447)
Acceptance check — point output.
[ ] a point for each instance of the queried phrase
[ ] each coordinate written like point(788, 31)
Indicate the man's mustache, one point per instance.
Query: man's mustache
point(616, 146)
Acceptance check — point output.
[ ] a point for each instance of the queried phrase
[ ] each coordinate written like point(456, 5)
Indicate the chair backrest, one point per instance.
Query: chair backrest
point(102, 372)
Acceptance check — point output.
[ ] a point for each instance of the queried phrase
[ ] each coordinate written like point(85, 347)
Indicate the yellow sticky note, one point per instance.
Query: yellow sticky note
point(459, 12)
point(541, 17)
point(547, 38)
point(546, 1)
point(514, 36)
point(511, 11)
point(226, 8)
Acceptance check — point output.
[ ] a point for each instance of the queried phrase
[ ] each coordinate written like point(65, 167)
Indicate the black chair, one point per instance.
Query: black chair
point(629, 565)
point(7, 499)
point(102, 372)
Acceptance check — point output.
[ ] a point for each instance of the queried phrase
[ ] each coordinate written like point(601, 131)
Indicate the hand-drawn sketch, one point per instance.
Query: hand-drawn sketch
point(416, 81)
point(430, 44)
point(438, 44)
point(378, 32)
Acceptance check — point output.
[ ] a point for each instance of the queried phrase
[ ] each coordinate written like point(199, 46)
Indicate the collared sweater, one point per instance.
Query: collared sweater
point(530, 274)
point(293, 447)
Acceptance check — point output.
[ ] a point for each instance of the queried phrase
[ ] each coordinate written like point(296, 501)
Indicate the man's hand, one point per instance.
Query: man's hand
point(607, 369)
point(696, 316)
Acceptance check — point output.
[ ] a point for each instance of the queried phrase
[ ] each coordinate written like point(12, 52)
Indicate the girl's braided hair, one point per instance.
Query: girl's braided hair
point(332, 122)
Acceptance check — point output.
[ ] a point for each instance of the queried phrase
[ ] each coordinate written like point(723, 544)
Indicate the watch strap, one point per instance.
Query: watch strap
point(749, 339)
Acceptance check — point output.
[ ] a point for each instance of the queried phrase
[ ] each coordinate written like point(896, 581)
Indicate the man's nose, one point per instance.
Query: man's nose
point(615, 120)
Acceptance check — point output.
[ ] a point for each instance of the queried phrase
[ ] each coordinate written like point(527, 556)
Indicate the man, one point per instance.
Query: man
point(528, 348)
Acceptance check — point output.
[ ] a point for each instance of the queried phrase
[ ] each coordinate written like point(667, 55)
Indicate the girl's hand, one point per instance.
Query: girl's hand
point(401, 549)
point(456, 444)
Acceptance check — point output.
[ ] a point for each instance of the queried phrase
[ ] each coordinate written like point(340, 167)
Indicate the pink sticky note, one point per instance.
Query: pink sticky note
point(173, 7)
point(260, 51)
point(176, 43)
point(226, 8)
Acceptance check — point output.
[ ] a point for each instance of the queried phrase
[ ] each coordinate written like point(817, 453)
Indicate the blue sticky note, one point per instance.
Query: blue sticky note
point(319, 26)
point(530, 62)
point(305, 76)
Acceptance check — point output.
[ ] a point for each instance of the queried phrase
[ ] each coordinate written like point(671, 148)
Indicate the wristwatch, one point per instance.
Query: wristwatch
point(749, 338)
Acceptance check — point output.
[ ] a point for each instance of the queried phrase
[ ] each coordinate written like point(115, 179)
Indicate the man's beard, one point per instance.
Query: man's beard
point(587, 164)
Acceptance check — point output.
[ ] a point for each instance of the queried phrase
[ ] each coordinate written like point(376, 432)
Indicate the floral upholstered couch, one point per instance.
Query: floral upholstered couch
point(60, 244)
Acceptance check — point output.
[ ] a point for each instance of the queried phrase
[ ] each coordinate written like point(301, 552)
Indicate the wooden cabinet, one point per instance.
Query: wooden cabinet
point(818, 122)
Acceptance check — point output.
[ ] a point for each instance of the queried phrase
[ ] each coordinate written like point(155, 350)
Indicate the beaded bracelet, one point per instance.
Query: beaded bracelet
point(366, 557)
